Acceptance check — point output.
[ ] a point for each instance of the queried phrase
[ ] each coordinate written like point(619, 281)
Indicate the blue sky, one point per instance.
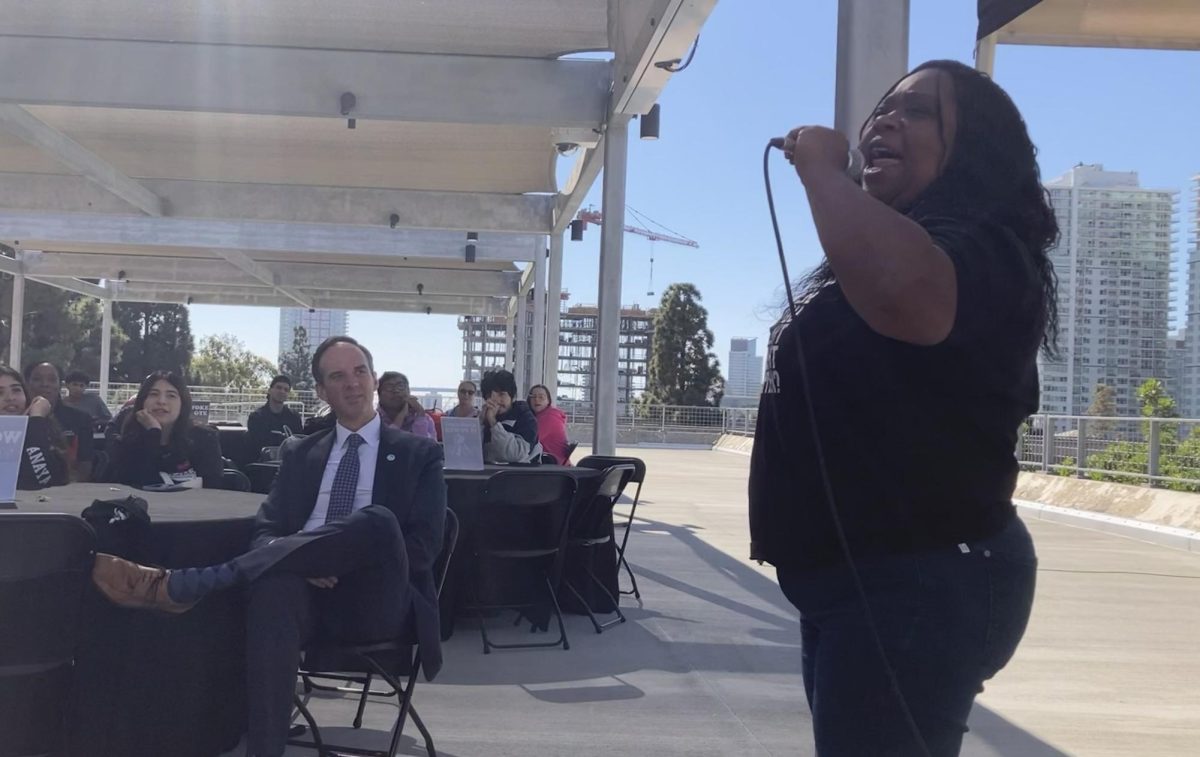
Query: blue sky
point(757, 73)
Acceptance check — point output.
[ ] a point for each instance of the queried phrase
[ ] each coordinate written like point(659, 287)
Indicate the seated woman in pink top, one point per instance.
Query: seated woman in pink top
point(552, 424)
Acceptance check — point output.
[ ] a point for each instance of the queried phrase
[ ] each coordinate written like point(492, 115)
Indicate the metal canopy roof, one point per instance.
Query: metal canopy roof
point(1162, 24)
point(199, 147)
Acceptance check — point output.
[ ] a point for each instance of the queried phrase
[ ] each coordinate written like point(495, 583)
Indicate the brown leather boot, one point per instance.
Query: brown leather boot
point(128, 584)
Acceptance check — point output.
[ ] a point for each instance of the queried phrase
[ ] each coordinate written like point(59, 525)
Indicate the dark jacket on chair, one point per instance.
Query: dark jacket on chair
point(408, 481)
point(43, 463)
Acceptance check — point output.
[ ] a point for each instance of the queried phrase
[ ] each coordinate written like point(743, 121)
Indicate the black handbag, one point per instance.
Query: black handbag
point(122, 527)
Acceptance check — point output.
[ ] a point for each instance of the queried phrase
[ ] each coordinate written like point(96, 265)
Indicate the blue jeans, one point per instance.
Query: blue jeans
point(949, 619)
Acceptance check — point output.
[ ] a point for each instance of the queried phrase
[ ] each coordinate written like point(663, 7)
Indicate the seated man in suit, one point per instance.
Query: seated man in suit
point(343, 550)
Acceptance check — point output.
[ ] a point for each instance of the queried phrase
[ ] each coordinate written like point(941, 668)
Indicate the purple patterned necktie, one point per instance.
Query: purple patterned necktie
point(345, 482)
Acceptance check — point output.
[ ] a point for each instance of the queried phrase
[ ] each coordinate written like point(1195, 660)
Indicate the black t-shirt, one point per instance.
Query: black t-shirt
point(918, 441)
point(268, 429)
point(139, 457)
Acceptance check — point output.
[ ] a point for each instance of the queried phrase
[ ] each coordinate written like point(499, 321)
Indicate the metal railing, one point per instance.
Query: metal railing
point(1161, 452)
point(669, 418)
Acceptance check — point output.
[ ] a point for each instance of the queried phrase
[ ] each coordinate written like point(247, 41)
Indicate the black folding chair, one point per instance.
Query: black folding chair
point(388, 660)
point(592, 527)
point(45, 563)
point(521, 533)
point(234, 480)
point(602, 462)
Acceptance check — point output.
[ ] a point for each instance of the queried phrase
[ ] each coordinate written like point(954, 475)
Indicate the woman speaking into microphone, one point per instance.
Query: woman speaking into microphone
point(883, 469)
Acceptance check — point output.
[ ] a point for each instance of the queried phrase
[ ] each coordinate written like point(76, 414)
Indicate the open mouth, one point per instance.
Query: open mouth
point(880, 156)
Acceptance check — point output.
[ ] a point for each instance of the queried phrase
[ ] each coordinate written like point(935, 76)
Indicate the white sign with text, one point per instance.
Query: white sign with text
point(462, 443)
point(12, 451)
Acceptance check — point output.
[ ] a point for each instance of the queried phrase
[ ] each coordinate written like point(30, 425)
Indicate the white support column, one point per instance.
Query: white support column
point(510, 331)
point(537, 370)
point(105, 346)
point(553, 311)
point(521, 353)
point(985, 55)
point(872, 53)
point(18, 318)
point(612, 244)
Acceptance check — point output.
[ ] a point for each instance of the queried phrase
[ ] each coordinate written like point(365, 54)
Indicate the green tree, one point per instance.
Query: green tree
point(1134, 456)
point(61, 327)
point(88, 314)
point(683, 370)
point(223, 360)
point(1104, 404)
point(297, 362)
point(160, 338)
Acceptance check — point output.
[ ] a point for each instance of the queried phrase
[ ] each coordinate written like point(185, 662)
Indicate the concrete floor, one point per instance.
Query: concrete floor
point(709, 665)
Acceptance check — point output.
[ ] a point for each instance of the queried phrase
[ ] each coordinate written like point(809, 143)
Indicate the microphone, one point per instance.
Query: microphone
point(855, 162)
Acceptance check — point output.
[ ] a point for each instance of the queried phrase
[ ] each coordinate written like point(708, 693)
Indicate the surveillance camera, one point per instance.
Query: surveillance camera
point(566, 148)
point(394, 219)
point(120, 275)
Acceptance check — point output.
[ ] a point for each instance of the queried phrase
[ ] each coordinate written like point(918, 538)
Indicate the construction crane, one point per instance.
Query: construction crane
point(591, 215)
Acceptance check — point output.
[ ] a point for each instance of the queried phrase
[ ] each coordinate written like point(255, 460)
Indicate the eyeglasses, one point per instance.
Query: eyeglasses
point(393, 389)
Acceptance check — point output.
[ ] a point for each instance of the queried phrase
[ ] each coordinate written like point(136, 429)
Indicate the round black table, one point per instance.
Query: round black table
point(151, 684)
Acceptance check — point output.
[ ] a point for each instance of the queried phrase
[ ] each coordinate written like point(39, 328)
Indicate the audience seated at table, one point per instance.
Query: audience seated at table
point(551, 424)
point(399, 409)
point(343, 548)
point(160, 437)
point(44, 380)
point(44, 461)
point(269, 425)
point(510, 431)
point(80, 398)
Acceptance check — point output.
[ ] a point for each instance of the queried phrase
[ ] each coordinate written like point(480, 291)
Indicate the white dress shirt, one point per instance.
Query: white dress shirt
point(368, 454)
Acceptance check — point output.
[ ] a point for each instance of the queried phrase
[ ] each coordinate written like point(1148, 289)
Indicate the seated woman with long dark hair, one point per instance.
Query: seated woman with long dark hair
point(44, 462)
point(552, 424)
point(159, 437)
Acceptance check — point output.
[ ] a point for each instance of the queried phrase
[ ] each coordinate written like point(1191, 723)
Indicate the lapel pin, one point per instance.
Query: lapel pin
point(391, 458)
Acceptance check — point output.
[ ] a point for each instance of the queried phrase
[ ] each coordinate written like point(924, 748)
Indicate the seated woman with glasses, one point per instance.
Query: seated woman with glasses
point(552, 424)
point(44, 458)
point(466, 401)
point(159, 437)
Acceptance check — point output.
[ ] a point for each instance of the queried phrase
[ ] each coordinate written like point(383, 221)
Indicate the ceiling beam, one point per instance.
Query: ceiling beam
point(20, 123)
point(282, 81)
point(49, 231)
point(213, 273)
point(455, 211)
point(244, 263)
point(583, 176)
point(646, 36)
point(182, 294)
point(86, 288)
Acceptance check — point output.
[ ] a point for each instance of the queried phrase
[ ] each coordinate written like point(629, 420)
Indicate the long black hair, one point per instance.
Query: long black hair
point(991, 175)
point(180, 440)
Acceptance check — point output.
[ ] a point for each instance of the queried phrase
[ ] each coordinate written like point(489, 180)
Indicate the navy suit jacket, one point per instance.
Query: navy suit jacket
point(408, 481)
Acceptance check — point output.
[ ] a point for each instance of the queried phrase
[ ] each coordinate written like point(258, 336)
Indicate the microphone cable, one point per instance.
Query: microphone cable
point(827, 485)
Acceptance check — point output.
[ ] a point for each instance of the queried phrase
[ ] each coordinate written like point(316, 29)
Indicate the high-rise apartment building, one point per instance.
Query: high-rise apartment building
point(745, 369)
point(318, 324)
point(1114, 287)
